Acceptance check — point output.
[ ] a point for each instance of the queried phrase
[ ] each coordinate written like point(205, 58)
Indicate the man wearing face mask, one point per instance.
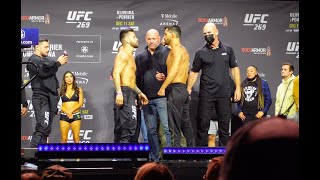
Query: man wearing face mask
point(215, 59)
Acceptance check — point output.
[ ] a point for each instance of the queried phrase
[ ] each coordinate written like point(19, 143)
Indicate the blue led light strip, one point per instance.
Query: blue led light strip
point(93, 147)
point(193, 150)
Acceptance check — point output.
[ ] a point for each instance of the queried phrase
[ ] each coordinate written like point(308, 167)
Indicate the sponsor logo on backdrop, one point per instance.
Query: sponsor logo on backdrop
point(37, 19)
point(23, 34)
point(85, 136)
point(54, 49)
point(30, 109)
point(262, 75)
point(293, 25)
point(81, 78)
point(259, 51)
point(86, 49)
point(169, 19)
point(124, 20)
point(26, 77)
point(293, 49)
point(80, 48)
point(85, 113)
point(217, 21)
point(116, 45)
point(27, 37)
point(81, 19)
point(257, 21)
point(27, 52)
point(84, 103)
point(47, 19)
point(26, 138)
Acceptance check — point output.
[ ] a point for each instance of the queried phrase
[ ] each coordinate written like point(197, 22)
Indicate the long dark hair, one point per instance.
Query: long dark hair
point(260, 93)
point(63, 87)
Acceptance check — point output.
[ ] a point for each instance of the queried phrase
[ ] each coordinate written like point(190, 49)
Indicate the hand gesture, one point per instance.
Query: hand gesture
point(119, 100)
point(143, 98)
point(160, 76)
point(24, 111)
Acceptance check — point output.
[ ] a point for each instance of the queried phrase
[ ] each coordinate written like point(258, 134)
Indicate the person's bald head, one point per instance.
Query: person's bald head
point(152, 39)
point(210, 28)
point(151, 32)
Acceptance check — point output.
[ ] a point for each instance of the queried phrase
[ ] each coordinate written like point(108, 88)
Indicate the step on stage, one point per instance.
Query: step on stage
point(115, 161)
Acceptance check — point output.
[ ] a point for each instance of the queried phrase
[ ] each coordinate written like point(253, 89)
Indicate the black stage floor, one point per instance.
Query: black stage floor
point(118, 167)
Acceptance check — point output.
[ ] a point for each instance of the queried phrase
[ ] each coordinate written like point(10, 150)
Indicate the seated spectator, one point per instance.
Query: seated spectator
point(154, 171)
point(213, 168)
point(263, 150)
point(56, 172)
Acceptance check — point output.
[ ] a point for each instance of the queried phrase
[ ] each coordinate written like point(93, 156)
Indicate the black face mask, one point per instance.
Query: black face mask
point(209, 38)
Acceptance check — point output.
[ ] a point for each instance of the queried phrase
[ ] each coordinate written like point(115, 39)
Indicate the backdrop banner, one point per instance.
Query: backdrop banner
point(264, 34)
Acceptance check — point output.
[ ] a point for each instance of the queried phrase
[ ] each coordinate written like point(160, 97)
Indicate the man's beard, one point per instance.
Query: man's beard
point(136, 45)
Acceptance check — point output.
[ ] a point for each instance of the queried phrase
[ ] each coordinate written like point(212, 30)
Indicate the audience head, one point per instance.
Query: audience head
point(56, 172)
point(30, 176)
point(154, 171)
point(263, 149)
point(213, 168)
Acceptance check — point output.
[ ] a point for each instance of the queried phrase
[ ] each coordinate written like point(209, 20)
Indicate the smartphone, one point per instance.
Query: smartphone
point(65, 53)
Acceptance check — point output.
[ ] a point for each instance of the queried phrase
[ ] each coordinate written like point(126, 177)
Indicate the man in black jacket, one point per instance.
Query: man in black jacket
point(151, 72)
point(45, 90)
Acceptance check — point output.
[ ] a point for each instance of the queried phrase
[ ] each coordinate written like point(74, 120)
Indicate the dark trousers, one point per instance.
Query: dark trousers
point(206, 105)
point(125, 117)
point(44, 119)
point(178, 114)
point(135, 138)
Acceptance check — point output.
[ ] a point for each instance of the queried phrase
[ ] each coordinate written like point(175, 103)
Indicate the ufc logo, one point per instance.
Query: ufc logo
point(30, 105)
point(116, 45)
point(253, 18)
point(134, 112)
point(76, 15)
point(293, 46)
point(46, 116)
point(83, 133)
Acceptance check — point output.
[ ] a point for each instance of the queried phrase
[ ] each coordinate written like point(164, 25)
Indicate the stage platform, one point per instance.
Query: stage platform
point(112, 168)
